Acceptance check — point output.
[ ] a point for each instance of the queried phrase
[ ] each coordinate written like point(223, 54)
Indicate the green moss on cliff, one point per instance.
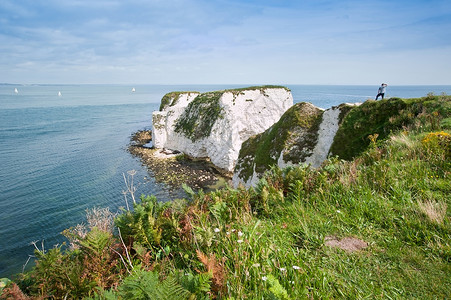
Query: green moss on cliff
point(387, 116)
point(300, 122)
point(199, 117)
point(158, 121)
point(171, 99)
point(345, 108)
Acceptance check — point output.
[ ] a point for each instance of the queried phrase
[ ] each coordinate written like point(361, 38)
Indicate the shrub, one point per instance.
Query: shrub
point(143, 224)
point(59, 275)
point(146, 285)
point(438, 143)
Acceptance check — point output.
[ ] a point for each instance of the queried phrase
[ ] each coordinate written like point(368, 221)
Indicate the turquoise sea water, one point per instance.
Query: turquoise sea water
point(60, 155)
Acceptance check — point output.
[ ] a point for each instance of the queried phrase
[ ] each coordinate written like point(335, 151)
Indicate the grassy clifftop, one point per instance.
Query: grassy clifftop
point(388, 116)
point(375, 226)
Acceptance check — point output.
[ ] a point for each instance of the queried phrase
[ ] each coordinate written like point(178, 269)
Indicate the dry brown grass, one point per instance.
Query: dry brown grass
point(348, 172)
point(13, 292)
point(435, 211)
point(102, 218)
point(214, 267)
point(402, 140)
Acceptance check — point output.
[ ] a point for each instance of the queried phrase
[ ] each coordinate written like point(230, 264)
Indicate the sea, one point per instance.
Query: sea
point(63, 150)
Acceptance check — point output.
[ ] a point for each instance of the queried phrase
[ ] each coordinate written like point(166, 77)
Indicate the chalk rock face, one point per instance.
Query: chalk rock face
point(172, 106)
point(303, 135)
point(213, 125)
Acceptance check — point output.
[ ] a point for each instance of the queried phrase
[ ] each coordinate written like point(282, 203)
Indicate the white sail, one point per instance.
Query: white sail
point(16, 91)
point(59, 94)
point(133, 90)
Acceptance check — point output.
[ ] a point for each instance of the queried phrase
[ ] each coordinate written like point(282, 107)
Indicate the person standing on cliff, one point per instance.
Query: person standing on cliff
point(381, 91)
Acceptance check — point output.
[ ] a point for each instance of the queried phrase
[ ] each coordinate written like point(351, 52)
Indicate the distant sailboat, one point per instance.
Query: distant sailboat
point(59, 94)
point(16, 91)
point(133, 90)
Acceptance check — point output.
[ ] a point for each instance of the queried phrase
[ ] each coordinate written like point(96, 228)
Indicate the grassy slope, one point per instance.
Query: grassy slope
point(269, 241)
point(383, 118)
point(381, 198)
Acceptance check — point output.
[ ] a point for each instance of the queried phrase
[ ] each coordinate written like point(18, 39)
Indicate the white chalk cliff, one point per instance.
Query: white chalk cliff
point(303, 135)
point(214, 125)
point(326, 133)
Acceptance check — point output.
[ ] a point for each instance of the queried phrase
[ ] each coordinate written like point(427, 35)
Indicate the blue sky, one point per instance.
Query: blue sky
point(225, 41)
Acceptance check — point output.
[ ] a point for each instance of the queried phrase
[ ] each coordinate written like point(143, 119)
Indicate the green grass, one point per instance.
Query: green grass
point(269, 242)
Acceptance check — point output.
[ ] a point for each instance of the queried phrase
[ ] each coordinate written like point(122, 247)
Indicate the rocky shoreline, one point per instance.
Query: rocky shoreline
point(174, 168)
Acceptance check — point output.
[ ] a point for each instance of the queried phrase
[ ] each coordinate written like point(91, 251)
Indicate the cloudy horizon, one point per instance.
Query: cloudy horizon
point(225, 42)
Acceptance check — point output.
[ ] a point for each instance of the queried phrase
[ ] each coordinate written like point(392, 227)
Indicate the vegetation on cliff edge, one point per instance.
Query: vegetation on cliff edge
point(198, 119)
point(171, 99)
point(200, 115)
point(299, 124)
point(385, 117)
point(284, 239)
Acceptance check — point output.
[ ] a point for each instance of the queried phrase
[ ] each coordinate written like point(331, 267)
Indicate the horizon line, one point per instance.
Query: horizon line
point(235, 84)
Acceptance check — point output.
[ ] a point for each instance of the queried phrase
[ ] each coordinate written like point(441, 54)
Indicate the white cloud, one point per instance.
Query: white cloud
point(223, 41)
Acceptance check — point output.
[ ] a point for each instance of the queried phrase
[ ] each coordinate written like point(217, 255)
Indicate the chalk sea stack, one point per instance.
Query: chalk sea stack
point(213, 125)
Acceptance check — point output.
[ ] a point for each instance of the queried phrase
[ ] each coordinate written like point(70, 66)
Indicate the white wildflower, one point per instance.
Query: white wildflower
point(217, 229)
point(282, 269)
point(296, 267)
point(264, 278)
point(240, 233)
point(239, 241)
point(256, 265)
point(131, 172)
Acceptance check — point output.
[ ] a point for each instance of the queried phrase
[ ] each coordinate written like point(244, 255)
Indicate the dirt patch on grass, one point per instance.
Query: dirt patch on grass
point(348, 244)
